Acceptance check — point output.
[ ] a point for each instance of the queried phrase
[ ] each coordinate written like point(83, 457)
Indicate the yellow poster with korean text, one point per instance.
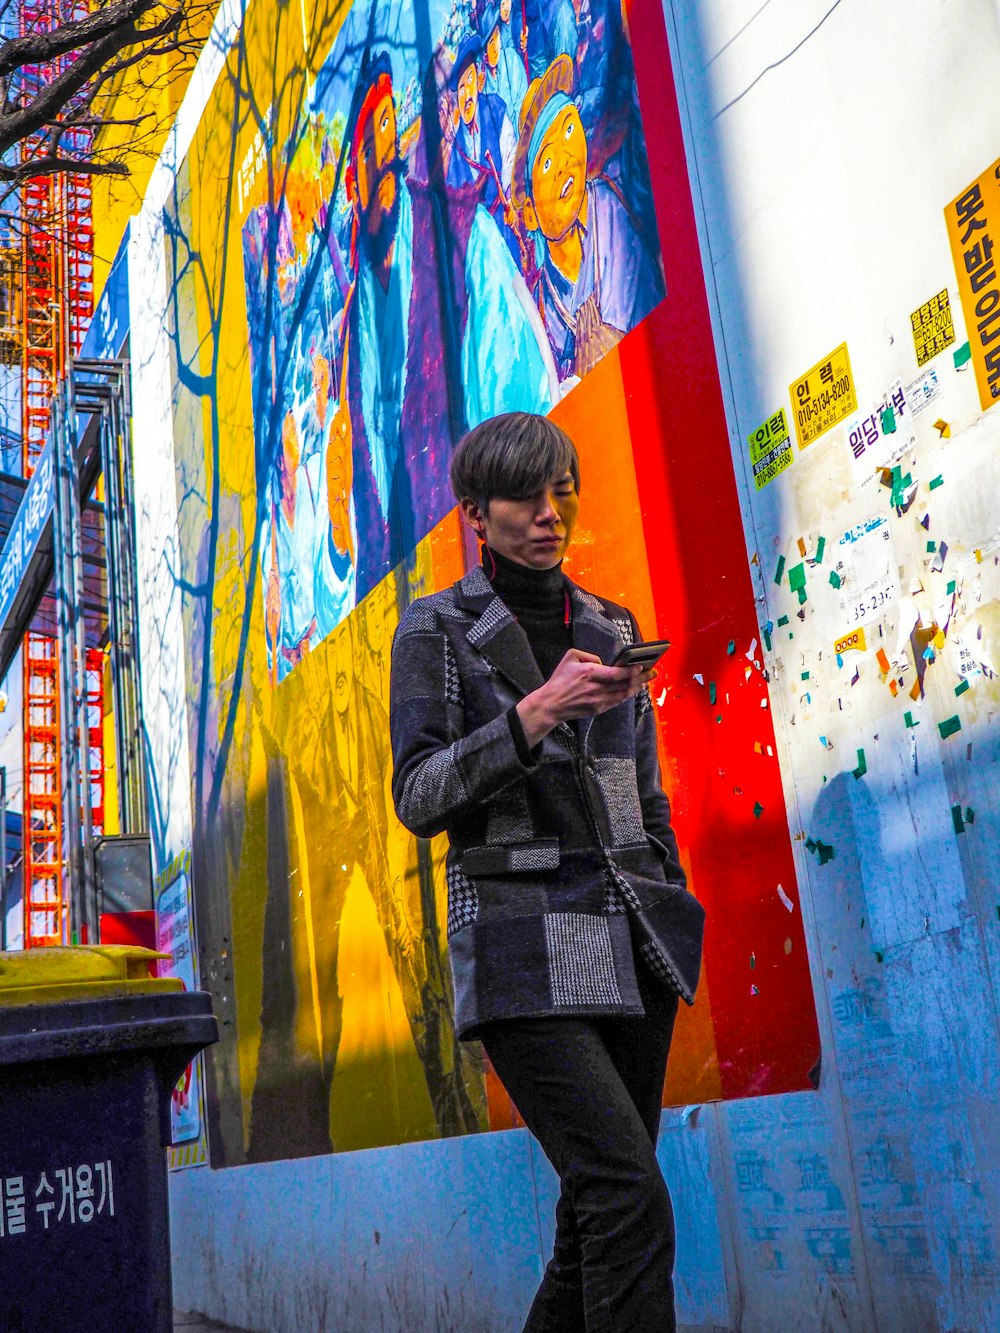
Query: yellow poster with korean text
point(770, 449)
point(972, 219)
point(933, 327)
point(823, 396)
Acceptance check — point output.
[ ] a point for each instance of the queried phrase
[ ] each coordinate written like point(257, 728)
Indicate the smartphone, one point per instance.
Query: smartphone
point(641, 654)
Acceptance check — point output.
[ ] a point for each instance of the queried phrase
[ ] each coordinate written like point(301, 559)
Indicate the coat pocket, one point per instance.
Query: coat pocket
point(513, 858)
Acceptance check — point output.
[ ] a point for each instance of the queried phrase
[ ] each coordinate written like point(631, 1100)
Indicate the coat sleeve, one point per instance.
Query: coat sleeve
point(652, 798)
point(438, 771)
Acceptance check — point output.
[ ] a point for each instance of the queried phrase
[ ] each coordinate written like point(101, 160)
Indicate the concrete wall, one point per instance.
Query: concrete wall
point(825, 143)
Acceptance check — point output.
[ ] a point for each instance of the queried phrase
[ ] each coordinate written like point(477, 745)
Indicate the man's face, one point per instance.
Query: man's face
point(377, 155)
point(468, 92)
point(493, 48)
point(559, 176)
point(534, 531)
point(505, 10)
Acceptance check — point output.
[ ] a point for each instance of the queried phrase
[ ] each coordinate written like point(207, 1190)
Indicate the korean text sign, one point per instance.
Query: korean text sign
point(932, 326)
point(26, 530)
point(770, 449)
point(973, 221)
point(823, 396)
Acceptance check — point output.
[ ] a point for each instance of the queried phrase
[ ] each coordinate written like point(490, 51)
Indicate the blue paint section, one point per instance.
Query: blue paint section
point(110, 323)
point(790, 1189)
point(25, 533)
point(696, 1178)
point(909, 858)
point(940, 991)
point(437, 1236)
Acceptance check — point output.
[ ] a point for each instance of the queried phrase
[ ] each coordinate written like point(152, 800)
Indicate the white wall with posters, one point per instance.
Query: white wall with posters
point(829, 140)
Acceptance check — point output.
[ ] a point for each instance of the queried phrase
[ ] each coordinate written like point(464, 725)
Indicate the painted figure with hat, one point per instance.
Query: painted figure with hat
point(399, 386)
point(598, 274)
point(482, 152)
point(504, 73)
point(514, 34)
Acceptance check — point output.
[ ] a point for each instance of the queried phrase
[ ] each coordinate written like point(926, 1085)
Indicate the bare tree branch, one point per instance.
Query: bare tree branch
point(52, 164)
point(86, 61)
point(38, 48)
point(42, 110)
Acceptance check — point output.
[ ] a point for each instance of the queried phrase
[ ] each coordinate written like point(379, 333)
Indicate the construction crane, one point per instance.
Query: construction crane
point(56, 302)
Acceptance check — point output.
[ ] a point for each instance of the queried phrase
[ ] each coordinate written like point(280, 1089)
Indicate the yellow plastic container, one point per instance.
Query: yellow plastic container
point(82, 972)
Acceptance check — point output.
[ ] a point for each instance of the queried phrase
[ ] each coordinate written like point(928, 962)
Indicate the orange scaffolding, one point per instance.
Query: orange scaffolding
point(57, 298)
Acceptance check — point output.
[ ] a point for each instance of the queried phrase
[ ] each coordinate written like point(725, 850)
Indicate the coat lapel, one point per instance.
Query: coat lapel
point(497, 636)
point(495, 633)
point(593, 633)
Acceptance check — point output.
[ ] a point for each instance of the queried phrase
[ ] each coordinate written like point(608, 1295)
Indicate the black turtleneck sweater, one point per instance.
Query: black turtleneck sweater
point(539, 600)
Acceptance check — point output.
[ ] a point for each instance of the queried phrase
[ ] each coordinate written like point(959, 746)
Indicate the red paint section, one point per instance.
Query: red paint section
point(763, 1012)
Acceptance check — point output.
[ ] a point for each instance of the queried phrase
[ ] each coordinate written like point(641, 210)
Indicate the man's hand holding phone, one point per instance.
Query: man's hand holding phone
point(583, 686)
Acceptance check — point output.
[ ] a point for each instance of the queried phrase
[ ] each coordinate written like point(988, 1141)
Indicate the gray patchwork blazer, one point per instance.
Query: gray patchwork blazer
point(560, 869)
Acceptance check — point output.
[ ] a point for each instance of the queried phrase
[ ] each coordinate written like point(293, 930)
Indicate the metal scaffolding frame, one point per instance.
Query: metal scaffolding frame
point(57, 298)
point(97, 390)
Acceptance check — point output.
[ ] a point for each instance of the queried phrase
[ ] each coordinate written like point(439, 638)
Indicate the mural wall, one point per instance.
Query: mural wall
point(389, 225)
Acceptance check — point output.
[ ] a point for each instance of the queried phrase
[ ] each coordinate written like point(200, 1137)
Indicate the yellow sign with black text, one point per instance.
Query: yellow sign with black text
point(770, 449)
point(823, 396)
point(933, 327)
point(971, 220)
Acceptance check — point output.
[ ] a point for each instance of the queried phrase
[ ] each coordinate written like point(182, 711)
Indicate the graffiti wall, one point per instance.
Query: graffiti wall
point(389, 225)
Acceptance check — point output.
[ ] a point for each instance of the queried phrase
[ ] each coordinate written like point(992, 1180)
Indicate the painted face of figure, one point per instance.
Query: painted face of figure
point(374, 612)
point(378, 171)
point(505, 11)
point(493, 48)
point(535, 531)
point(342, 658)
point(559, 177)
point(468, 92)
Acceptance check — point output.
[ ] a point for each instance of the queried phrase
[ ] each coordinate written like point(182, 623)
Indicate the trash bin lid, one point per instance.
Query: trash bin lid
point(80, 972)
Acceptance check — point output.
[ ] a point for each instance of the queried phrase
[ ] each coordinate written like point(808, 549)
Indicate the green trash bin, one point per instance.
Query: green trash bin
point(91, 1047)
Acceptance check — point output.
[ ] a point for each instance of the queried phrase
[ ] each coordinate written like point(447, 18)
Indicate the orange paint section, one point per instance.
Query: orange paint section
point(609, 556)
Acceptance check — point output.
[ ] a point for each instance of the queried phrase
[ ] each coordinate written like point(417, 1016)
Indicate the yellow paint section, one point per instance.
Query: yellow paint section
point(379, 1093)
point(609, 553)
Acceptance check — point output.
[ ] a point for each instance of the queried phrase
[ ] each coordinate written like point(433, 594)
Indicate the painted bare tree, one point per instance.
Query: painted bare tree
point(320, 818)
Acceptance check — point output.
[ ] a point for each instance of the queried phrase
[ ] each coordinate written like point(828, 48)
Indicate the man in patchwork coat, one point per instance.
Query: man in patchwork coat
point(571, 931)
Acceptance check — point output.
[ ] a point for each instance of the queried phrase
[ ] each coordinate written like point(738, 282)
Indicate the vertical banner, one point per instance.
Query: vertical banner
point(971, 219)
point(175, 936)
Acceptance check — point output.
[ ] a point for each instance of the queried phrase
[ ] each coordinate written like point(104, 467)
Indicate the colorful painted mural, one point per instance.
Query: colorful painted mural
point(450, 242)
point(392, 224)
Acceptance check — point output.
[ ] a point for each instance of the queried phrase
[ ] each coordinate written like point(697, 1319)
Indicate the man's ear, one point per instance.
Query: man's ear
point(529, 215)
point(482, 78)
point(473, 515)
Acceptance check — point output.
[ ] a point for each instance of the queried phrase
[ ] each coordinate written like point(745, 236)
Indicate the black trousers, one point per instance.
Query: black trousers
point(590, 1091)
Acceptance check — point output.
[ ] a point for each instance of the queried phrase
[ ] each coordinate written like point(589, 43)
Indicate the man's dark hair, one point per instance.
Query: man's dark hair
point(511, 457)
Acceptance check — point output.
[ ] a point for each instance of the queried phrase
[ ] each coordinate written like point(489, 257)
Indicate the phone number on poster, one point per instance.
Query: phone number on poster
point(824, 401)
point(767, 469)
point(865, 609)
